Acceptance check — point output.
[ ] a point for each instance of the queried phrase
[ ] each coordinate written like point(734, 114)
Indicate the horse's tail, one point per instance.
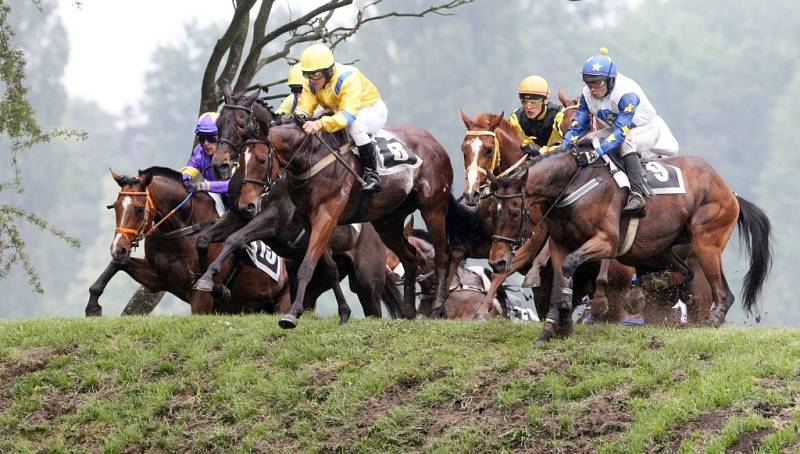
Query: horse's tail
point(755, 234)
point(461, 223)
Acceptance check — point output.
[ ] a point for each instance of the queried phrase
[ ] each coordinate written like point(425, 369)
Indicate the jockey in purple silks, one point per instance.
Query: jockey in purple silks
point(198, 173)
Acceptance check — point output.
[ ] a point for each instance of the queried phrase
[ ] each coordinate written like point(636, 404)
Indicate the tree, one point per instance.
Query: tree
point(19, 125)
point(273, 35)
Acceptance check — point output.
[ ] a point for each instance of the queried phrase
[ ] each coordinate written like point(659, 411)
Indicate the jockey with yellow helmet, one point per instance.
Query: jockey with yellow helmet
point(198, 173)
point(537, 120)
point(354, 99)
point(295, 82)
point(637, 128)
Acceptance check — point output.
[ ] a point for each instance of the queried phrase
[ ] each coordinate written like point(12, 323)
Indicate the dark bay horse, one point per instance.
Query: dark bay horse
point(592, 227)
point(492, 149)
point(326, 195)
point(357, 250)
point(145, 208)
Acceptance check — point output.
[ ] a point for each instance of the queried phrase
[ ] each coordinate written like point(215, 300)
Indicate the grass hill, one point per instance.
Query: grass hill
point(221, 384)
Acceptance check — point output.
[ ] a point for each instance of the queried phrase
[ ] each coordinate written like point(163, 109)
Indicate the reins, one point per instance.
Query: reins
point(146, 228)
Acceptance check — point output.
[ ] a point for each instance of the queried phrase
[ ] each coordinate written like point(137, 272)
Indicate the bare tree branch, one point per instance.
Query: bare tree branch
point(207, 89)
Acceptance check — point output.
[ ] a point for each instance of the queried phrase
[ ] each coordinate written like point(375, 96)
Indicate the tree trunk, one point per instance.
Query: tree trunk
point(142, 302)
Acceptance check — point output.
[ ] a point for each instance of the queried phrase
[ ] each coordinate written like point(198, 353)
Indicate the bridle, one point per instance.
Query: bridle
point(522, 236)
point(146, 227)
point(495, 154)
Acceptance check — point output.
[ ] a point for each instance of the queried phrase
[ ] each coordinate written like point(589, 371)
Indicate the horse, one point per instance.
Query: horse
point(357, 254)
point(155, 206)
point(357, 251)
point(326, 195)
point(492, 148)
point(591, 227)
point(467, 288)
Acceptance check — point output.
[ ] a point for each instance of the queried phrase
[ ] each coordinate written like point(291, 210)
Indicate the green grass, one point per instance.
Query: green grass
point(221, 384)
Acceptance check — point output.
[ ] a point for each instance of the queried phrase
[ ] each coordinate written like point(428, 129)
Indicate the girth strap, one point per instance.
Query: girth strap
point(322, 163)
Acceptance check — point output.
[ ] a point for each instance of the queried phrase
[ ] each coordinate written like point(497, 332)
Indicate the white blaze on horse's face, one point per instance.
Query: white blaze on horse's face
point(472, 170)
point(126, 203)
point(247, 156)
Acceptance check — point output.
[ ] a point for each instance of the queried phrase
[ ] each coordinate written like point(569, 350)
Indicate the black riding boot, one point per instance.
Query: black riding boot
point(366, 154)
point(633, 168)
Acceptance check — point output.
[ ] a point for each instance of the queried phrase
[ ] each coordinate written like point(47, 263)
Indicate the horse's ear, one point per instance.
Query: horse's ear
point(408, 229)
point(563, 98)
point(261, 113)
point(465, 118)
point(252, 98)
point(225, 86)
point(496, 121)
point(117, 177)
point(146, 179)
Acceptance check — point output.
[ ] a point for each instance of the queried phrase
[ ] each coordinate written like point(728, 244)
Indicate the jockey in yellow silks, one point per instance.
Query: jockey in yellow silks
point(537, 120)
point(354, 99)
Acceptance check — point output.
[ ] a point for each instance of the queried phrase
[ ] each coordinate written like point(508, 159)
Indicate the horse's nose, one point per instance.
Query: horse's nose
point(471, 198)
point(120, 254)
point(250, 210)
point(223, 169)
point(499, 266)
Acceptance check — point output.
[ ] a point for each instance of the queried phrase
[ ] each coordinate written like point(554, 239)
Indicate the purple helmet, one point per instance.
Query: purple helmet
point(207, 123)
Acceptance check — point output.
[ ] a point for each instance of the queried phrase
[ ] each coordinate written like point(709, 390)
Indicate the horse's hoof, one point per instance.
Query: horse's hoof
point(716, 321)
point(599, 307)
point(94, 312)
point(204, 284)
point(288, 321)
point(532, 281)
point(222, 293)
point(480, 316)
point(543, 339)
point(343, 318)
point(438, 312)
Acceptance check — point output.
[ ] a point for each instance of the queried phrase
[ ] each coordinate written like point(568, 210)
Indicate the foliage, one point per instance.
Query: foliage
point(18, 123)
point(243, 384)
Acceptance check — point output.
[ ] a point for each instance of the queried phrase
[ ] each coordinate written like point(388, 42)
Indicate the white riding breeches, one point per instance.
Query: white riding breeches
point(651, 140)
point(368, 121)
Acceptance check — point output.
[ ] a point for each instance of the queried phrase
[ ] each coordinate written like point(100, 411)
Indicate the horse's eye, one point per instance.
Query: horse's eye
point(488, 152)
point(139, 210)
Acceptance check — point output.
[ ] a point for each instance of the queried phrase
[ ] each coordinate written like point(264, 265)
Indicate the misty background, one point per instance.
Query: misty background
point(724, 76)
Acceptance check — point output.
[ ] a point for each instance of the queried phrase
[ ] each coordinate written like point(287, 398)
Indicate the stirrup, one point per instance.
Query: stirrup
point(372, 182)
point(635, 205)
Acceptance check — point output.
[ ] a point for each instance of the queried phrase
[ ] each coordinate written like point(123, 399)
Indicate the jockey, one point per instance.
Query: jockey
point(637, 128)
point(356, 101)
point(295, 82)
point(537, 120)
point(198, 173)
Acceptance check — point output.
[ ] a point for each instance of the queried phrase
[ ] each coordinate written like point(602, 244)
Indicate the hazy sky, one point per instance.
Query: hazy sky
point(125, 33)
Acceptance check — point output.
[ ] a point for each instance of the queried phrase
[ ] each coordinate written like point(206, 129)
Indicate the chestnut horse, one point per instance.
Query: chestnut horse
point(326, 195)
point(592, 227)
point(146, 208)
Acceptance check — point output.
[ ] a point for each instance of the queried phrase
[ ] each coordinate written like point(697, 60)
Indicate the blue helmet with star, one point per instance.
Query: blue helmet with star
point(600, 65)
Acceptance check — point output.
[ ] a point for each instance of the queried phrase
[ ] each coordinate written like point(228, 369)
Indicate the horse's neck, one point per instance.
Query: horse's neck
point(549, 177)
point(510, 146)
point(200, 208)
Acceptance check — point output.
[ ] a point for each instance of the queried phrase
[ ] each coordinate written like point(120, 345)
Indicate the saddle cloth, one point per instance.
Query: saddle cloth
point(262, 256)
point(394, 155)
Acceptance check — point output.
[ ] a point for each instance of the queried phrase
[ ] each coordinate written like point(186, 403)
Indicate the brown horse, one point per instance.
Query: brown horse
point(325, 196)
point(492, 148)
point(591, 227)
point(146, 208)
point(358, 254)
point(467, 290)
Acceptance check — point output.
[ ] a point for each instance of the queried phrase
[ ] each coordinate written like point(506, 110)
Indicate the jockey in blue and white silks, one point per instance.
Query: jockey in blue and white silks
point(637, 128)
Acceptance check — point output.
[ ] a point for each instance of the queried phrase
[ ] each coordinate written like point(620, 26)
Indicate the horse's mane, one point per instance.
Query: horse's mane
point(165, 172)
point(463, 224)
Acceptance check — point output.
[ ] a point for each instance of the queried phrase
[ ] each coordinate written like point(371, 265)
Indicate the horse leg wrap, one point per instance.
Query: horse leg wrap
point(566, 293)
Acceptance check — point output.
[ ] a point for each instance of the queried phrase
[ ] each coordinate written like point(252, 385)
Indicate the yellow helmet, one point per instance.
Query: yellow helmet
point(534, 85)
point(316, 57)
point(296, 75)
